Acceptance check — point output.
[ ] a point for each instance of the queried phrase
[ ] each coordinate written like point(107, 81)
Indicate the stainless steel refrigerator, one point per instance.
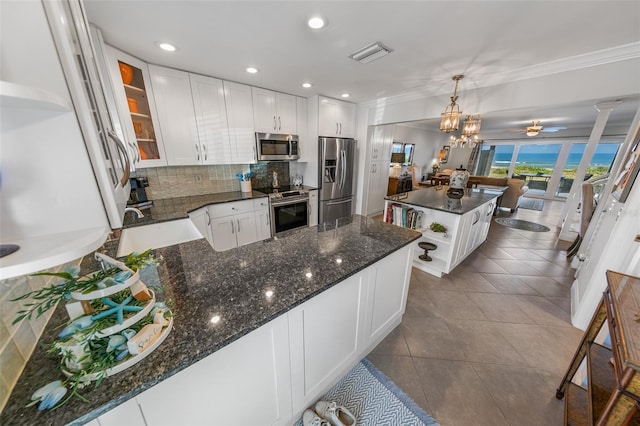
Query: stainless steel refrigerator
point(336, 169)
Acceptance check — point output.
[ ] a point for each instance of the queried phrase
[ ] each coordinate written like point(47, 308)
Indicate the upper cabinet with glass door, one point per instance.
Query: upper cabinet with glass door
point(136, 107)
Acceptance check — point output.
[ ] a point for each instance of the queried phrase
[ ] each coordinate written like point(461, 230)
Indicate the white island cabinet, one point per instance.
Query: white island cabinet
point(271, 375)
point(467, 224)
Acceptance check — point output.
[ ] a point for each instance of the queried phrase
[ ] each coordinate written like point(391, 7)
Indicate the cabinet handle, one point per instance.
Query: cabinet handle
point(238, 220)
point(233, 229)
point(337, 129)
point(197, 152)
point(136, 154)
point(122, 148)
point(208, 217)
point(279, 124)
point(274, 122)
point(476, 219)
point(340, 128)
point(204, 149)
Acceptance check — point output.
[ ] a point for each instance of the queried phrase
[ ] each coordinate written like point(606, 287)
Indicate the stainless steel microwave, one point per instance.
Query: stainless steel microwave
point(273, 146)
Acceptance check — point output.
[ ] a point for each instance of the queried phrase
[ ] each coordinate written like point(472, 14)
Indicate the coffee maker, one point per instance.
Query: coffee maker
point(138, 194)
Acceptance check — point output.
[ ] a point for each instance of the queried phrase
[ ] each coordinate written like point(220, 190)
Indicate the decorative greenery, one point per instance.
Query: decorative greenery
point(48, 297)
point(436, 227)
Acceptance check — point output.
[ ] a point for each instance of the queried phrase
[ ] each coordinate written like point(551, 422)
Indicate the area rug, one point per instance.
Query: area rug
point(375, 400)
point(531, 204)
point(521, 224)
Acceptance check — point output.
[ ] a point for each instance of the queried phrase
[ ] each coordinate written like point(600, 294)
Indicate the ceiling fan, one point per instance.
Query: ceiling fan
point(536, 128)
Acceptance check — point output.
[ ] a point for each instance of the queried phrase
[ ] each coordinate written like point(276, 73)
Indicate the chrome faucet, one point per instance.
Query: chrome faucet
point(136, 211)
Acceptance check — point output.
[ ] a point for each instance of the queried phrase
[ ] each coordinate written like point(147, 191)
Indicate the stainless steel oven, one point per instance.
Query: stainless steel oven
point(289, 210)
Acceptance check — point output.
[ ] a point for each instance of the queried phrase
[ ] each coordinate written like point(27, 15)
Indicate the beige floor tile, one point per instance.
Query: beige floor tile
point(393, 344)
point(482, 263)
point(466, 280)
point(456, 394)
point(481, 341)
point(492, 251)
point(404, 375)
point(451, 304)
point(523, 254)
point(542, 310)
point(419, 305)
point(546, 286)
point(562, 302)
point(517, 267)
point(499, 307)
point(430, 338)
point(509, 284)
point(556, 256)
point(539, 347)
point(526, 396)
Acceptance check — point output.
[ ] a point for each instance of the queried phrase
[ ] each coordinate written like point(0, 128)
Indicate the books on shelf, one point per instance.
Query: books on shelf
point(406, 217)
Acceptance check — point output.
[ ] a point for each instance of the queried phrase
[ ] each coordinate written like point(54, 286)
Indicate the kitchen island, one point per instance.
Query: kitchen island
point(260, 331)
point(467, 221)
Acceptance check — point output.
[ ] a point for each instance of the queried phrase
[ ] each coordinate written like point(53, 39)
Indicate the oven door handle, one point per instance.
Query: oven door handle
point(288, 202)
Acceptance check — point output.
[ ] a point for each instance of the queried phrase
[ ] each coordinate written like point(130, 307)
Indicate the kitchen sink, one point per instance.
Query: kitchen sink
point(158, 235)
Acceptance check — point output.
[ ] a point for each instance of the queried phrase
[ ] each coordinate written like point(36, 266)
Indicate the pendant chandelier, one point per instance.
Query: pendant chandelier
point(451, 115)
point(471, 125)
point(463, 141)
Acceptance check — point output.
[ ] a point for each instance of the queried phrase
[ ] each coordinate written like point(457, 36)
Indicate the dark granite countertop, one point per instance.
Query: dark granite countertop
point(166, 209)
point(436, 199)
point(201, 283)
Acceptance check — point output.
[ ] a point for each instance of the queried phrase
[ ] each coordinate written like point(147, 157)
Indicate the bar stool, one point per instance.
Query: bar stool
point(426, 247)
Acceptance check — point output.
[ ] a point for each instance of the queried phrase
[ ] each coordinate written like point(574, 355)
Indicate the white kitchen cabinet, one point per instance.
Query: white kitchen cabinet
point(51, 153)
point(326, 335)
point(381, 143)
point(336, 118)
point(263, 218)
point(313, 207)
point(211, 119)
point(388, 287)
point(306, 150)
point(202, 221)
point(274, 112)
point(233, 224)
point(244, 383)
point(177, 119)
point(239, 105)
point(141, 129)
point(378, 183)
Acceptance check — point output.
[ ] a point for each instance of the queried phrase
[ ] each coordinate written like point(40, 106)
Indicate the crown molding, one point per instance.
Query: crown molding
point(623, 52)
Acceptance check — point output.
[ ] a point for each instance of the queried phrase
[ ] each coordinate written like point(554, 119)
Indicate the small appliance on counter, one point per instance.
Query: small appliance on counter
point(138, 194)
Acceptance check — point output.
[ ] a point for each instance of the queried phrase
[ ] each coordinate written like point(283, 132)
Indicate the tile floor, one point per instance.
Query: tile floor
point(489, 343)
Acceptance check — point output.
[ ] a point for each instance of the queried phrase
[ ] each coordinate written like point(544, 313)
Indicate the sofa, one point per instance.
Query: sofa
point(510, 198)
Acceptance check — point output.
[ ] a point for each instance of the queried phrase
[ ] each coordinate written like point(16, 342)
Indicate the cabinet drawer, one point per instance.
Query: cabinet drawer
point(260, 203)
point(226, 209)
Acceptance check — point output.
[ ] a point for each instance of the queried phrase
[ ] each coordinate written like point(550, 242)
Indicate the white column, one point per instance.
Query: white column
point(570, 206)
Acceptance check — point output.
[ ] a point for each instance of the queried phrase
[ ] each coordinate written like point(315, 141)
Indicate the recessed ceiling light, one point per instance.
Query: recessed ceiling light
point(306, 85)
point(252, 70)
point(345, 95)
point(168, 47)
point(317, 22)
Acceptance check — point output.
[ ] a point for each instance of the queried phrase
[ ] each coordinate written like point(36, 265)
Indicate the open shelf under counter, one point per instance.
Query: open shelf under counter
point(466, 222)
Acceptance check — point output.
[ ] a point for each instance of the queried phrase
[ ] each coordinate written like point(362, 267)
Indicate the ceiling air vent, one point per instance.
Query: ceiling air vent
point(370, 53)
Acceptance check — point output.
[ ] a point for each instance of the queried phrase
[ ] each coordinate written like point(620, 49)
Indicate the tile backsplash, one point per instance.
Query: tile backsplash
point(17, 341)
point(185, 181)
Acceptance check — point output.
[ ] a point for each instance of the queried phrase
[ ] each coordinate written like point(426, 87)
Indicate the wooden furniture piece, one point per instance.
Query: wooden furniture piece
point(398, 185)
point(612, 392)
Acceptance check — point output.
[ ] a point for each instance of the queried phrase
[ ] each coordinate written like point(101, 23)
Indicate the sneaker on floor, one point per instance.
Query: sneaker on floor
point(310, 418)
point(336, 414)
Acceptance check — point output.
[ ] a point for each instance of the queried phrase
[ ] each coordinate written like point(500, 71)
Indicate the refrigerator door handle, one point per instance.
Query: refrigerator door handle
point(343, 157)
point(339, 202)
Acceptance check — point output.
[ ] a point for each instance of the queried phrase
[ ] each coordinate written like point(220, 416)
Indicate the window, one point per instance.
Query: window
point(404, 148)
